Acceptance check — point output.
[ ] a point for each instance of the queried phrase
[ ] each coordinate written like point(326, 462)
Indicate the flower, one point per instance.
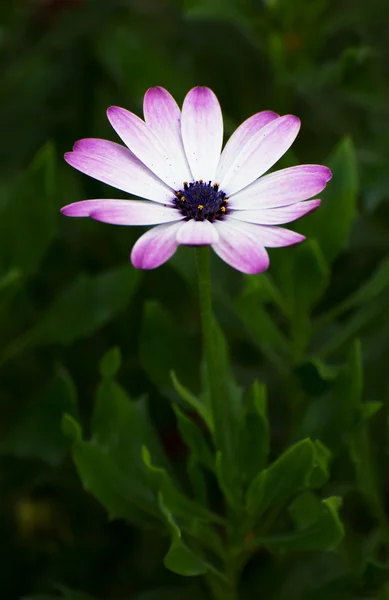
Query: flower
point(195, 193)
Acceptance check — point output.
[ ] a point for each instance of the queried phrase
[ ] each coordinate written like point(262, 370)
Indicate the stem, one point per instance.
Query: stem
point(207, 324)
point(226, 588)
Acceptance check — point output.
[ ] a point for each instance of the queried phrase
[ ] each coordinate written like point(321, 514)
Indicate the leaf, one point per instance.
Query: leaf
point(227, 414)
point(370, 289)
point(122, 426)
point(110, 363)
point(125, 495)
point(194, 439)
point(37, 433)
point(261, 327)
point(303, 276)
point(30, 211)
point(179, 504)
point(254, 433)
point(180, 559)
point(163, 347)
point(320, 473)
point(85, 306)
point(287, 476)
point(192, 401)
point(318, 526)
point(331, 223)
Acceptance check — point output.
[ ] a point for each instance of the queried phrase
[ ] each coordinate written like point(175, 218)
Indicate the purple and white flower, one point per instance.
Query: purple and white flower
point(195, 193)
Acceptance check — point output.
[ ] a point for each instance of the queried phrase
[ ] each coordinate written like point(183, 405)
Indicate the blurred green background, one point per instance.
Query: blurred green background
point(68, 293)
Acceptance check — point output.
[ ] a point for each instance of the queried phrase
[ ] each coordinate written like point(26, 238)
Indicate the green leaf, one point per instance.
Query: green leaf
point(124, 494)
point(195, 439)
point(122, 426)
point(287, 476)
point(369, 409)
point(29, 210)
point(320, 473)
point(318, 526)
point(192, 401)
point(110, 363)
point(86, 306)
point(331, 224)
point(303, 276)
point(227, 415)
point(163, 347)
point(180, 505)
point(254, 433)
point(180, 559)
point(261, 327)
point(370, 289)
point(37, 433)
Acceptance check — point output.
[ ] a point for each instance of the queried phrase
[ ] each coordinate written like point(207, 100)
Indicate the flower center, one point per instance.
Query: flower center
point(201, 201)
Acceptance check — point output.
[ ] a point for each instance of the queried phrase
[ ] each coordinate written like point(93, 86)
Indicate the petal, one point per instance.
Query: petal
point(271, 236)
point(260, 153)
point(117, 166)
point(238, 247)
point(275, 216)
point(163, 116)
point(202, 132)
point(143, 142)
point(197, 233)
point(240, 137)
point(123, 212)
point(283, 187)
point(155, 246)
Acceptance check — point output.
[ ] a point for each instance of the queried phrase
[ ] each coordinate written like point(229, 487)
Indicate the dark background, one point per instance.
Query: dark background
point(68, 293)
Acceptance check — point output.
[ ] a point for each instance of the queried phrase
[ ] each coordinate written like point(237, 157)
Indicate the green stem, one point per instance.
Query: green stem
point(226, 588)
point(207, 324)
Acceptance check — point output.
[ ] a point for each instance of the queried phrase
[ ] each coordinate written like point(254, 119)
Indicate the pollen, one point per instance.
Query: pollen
point(200, 206)
point(223, 209)
point(182, 198)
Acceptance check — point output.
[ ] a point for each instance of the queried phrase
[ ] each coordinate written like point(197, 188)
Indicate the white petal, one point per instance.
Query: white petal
point(197, 233)
point(202, 132)
point(155, 246)
point(269, 236)
point(283, 187)
point(143, 142)
point(260, 153)
point(123, 212)
point(163, 116)
point(240, 137)
point(275, 216)
point(238, 247)
point(117, 166)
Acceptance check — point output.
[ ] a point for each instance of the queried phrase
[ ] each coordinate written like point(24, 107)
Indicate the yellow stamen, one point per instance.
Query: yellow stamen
point(223, 209)
point(200, 206)
point(182, 198)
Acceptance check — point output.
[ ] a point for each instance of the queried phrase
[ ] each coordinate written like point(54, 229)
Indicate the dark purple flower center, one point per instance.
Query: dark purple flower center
point(201, 201)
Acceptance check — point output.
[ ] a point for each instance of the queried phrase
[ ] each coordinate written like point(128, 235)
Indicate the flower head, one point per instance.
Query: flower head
point(195, 193)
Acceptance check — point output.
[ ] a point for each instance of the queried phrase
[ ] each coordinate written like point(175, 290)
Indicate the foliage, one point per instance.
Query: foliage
point(132, 489)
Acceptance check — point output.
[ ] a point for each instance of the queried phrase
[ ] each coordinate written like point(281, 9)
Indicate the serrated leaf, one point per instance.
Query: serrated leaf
point(180, 505)
point(180, 559)
point(287, 476)
point(318, 526)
